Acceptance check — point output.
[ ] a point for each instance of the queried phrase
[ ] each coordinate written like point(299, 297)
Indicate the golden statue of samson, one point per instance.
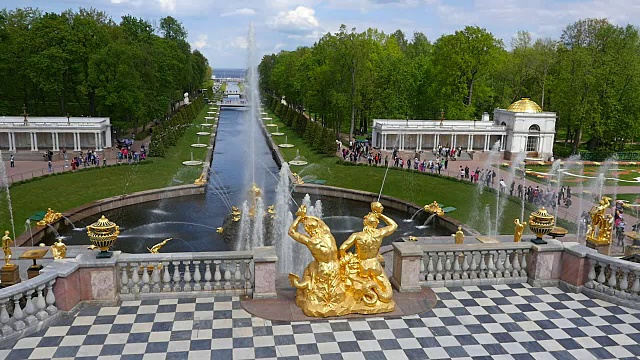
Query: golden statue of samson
point(339, 282)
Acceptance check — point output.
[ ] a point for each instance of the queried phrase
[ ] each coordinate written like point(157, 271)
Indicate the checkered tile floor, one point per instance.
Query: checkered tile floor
point(484, 322)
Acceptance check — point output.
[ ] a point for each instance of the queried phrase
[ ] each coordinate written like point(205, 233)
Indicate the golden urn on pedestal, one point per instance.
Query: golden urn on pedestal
point(103, 234)
point(541, 223)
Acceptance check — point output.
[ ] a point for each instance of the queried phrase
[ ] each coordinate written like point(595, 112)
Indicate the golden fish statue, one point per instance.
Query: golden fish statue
point(156, 248)
point(339, 282)
point(49, 218)
point(59, 250)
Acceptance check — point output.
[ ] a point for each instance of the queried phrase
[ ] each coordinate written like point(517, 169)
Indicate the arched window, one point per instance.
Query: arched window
point(504, 123)
point(533, 138)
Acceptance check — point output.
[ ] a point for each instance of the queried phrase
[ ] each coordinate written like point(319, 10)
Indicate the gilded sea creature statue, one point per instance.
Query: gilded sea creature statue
point(339, 282)
point(49, 218)
point(156, 248)
point(434, 208)
point(202, 180)
point(599, 231)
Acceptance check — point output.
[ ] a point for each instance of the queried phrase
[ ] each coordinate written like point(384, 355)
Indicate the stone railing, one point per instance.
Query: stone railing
point(185, 274)
point(612, 279)
point(474, 264)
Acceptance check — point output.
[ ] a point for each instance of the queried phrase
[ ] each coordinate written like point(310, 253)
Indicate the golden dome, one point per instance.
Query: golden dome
point(525, 105)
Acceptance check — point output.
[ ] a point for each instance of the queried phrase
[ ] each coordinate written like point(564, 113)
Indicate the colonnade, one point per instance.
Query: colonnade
point(401, 141)
point(98, 142)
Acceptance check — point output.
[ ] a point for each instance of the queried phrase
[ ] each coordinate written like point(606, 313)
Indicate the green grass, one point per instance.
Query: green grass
point(68, 190)
point(419, 188)
point(633, 172)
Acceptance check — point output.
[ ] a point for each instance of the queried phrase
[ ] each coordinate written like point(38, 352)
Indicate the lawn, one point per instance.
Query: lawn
point(71, 189)
point(412, 186)
point(623, 172)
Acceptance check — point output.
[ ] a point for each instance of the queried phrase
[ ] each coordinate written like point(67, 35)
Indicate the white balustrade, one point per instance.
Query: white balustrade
point(228, 273)
point(474, 264)
point(614, 278)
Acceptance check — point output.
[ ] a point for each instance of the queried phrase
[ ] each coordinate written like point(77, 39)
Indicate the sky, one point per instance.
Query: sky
point(219, 28)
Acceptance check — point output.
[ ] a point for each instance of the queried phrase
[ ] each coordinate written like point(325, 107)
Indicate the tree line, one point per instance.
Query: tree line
point(83, 63)
point(590, 76)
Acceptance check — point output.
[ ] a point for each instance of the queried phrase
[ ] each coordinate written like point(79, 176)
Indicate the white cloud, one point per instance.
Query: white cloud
point(243, 11)
point(239, 42)
point(201, 42)
point(300, 21)
point(168, 5)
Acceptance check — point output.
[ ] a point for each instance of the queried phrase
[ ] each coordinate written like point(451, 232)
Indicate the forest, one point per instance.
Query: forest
point(83, 63)
point(590, 77)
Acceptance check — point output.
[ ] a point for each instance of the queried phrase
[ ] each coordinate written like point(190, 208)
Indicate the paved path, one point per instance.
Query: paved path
point(473, 322)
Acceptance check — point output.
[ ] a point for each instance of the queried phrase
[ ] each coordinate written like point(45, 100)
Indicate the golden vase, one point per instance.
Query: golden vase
point(541, 223)
point(103, 234)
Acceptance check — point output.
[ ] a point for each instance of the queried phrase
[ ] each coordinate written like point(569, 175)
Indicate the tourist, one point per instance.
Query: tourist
point(466, 172)
point(568, 192)
point(512, 187)
point(503, 186)
point(12, 161)
point(461, 172)
point(50, 166)
point(386, 160)
point(446, 163)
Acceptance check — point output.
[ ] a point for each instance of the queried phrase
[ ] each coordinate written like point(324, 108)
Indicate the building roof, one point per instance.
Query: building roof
point(525, 105)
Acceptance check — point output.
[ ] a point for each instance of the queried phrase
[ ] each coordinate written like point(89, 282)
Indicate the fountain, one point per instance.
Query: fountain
point(198, 145)
point(298, 160)
point(277, 133)
point(192, 162)
point(5, 187)
point(286, 143)
point(271, 124)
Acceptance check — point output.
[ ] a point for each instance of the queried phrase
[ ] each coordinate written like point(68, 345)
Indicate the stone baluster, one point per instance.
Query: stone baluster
point(624, 282)
point(41, 304)
point(135, 278)
point(430, 268)
point(124, 280)
point(483, 265)
point(473, 268)
point(207, 275)
point(500, 256)
point(507, 264)
point(635, 288)
point(145, 278)
point(30, 308)
point(187, 276)
point(247, 277)
point(523, 263)
point(465, 264)
point(591, 276)
point(516, 264)
point(613, 279)
point(155, 277)
point(166, 277)
point(237, 276)
point(601, 276)
point(176, 276)
point(51, 298)
point(197, 276)
point(227, 276)
point(439, 267)
point(447, 266)
point(217, 276)
point(491, 268)
point(422, 265)
point(5, 319)
point(18, 315)
point(457, 269)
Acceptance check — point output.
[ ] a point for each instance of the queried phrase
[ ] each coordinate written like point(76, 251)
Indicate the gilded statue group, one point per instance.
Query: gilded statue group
point(339, 282)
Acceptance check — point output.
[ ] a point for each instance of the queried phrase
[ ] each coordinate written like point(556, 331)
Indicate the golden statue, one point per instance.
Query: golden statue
point(517, 236)
point(156, 248)
point(459, 236)
point(202, 180)
point(255, 193)
point(49, 218)
point(366, 280)
point(235, 214)
point(298, 179)
point(434, 208)
point(599, 231)
point(271, 210)
point(321, 292)
point(59, 249)
point(6, 248)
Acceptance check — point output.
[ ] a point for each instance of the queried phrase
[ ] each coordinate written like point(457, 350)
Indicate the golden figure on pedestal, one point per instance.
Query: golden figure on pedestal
point(341, 282)
point(434, 208)
point(6, 248)
point(49, 218)
point(459, 236)
point(599, 231)
point(517, 235)
point(59, 249)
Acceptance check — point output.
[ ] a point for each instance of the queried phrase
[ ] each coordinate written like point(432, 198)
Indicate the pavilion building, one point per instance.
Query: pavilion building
point(522, 127)
point(36, 134)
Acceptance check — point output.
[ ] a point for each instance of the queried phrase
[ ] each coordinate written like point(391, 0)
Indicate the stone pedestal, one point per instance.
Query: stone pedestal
point(34, 270)
point(603, 249)
point(9, 275)
point(406, 266)
point(265, 260)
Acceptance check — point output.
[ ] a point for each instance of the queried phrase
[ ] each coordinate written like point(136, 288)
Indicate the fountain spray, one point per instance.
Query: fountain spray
point(5, 186)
